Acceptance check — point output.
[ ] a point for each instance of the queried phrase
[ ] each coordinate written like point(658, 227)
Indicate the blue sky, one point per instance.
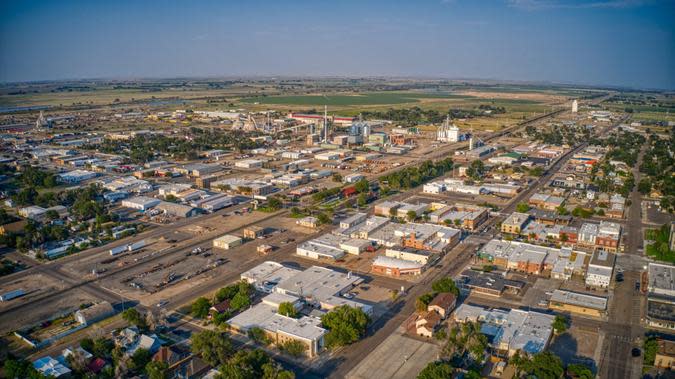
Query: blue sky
point(604, 42)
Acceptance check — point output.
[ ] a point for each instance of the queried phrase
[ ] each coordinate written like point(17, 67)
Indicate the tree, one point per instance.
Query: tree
point(650, 347)
point(226, 293)
point(362, 200)
point(200, 308)
point(645, 186)
point(274, 203)
point(214, 347)
point(323, 218)
point(562, 210)
point(476, 170)
point(337, 178)
point(258, 335)
point(445, 285)
point(157, 370)
point(345, 325)
point(423, 301)
point(87, 344)
point(141, 358)
point(293, 348)
point(134, 317)
point(559, 324)
point(544, 365)
point(20, 369)
point(287, 309)
point(522, 207)
point(436, 370)
point(103, 348)
point(362, 186)
point(579, 371)
point(240, 301)
point(411, 215)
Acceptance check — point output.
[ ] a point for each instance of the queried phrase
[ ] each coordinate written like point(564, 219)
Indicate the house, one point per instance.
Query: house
point(50, 367)
point(96, 365)
point(219, 308)
point(443, 304)
point(170, 355)
point(427, 322)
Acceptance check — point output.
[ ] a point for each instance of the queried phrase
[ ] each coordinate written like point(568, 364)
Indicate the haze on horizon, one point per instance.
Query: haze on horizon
point(598, 42)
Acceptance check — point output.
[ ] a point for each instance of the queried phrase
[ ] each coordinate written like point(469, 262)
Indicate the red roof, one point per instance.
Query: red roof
point(96, 365)
point(349, 191)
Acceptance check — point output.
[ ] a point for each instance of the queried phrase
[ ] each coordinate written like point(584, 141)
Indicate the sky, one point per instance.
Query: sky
point(628, 43)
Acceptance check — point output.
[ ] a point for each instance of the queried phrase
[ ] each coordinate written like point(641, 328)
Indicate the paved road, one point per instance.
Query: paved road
point(628, 304)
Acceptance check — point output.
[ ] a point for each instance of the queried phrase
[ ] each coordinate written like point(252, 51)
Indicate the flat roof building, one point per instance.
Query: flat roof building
point(579, 303)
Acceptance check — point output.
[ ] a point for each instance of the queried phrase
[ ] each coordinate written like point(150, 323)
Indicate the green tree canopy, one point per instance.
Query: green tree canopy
point(200, 308)
point(345, 325)
point(214, 347)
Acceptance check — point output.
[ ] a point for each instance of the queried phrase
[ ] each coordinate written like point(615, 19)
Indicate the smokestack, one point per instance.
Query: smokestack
point(325, 123)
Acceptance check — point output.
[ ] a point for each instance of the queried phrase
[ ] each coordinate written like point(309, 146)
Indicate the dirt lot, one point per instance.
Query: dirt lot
point(33, 285)
point(184, 270)
point(577, 345)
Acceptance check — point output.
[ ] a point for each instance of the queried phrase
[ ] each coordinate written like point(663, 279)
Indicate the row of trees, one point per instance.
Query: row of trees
point(217, 350)
point(411, 177)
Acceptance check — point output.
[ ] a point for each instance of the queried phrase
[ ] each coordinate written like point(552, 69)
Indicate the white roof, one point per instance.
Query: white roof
point(50, 367)
point(580, 299)
point(265, 316)
point(402, 264)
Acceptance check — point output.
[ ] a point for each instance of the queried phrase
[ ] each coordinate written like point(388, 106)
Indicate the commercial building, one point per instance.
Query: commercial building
point(227, 242)
point(488, 283)
point(176, 210)
point(661, 279)
point(409, 254)
point(141, 203)
point(600, 269)
point(544, 201)
point(510, 331)
point(265, 276)
point(533, 259)
point(331, 246)
point(253, 232)
point(281, 329)
point(515, 223)
point(385, 265)
point(76, 176)
point(249, 164)
point(579, 303)
point(665, 354)
point(466, 216)
point(308, 222)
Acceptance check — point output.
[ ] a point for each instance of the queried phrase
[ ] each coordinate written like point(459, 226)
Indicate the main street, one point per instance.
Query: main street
point(628, 305)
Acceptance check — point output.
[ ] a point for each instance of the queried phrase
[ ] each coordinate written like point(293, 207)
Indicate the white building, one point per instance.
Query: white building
point(575, 106)
point(600, 269)
point(141, 203)
point(449, 132)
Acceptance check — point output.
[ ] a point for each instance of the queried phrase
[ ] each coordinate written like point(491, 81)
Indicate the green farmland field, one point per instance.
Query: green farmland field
point(373, 98)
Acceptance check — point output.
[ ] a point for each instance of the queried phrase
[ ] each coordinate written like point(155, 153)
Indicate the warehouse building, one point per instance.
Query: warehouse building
point(141, 203)
point(227, 242)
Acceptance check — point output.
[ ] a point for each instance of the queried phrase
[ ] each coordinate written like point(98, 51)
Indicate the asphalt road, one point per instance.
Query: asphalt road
point(626, 310)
